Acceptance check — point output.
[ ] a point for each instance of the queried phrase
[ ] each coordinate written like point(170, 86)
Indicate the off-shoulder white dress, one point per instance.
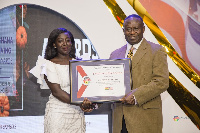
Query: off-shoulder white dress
point(59, 117)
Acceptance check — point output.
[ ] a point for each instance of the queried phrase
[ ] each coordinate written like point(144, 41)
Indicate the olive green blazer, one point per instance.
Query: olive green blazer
point(150, 77)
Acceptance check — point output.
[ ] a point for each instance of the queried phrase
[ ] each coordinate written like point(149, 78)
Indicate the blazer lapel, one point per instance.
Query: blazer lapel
point(140, 53)
point(122, 52)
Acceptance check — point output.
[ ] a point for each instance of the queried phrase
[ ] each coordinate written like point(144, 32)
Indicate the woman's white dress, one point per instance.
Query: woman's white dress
point(59, 117)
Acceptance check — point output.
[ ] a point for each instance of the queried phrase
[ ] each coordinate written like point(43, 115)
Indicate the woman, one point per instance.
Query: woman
point(60, 115)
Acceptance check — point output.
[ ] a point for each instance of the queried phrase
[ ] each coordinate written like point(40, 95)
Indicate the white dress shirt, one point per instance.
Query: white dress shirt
point(136, 46)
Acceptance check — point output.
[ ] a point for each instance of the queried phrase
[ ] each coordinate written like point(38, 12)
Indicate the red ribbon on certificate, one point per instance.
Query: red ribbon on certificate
point(86, 81)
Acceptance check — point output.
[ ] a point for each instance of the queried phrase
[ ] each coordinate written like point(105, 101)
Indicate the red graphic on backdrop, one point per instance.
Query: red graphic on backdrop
point(171, 21)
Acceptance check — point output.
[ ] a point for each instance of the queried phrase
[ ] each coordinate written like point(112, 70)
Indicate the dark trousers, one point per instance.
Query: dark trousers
point(124, 130)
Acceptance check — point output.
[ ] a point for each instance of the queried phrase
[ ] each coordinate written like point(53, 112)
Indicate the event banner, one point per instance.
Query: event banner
point(8, 52)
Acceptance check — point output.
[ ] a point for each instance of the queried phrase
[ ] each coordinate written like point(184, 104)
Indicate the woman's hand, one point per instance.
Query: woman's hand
point(87, 105)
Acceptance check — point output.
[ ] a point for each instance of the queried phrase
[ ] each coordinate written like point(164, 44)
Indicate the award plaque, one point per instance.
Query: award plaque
point(99, 80)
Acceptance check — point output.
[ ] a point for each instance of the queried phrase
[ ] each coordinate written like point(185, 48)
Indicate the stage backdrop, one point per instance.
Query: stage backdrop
point(97, 33)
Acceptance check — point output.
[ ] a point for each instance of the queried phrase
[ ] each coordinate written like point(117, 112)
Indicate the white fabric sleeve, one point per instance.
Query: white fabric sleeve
point(45, 67)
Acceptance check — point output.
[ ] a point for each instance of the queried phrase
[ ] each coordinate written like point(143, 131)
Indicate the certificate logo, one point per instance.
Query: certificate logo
point(86, 80)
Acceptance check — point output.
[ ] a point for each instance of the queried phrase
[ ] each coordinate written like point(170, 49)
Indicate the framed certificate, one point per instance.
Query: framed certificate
point(99, 80)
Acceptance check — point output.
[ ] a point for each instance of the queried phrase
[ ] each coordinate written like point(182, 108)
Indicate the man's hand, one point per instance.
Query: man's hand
point(123, 99)
point(128, 99)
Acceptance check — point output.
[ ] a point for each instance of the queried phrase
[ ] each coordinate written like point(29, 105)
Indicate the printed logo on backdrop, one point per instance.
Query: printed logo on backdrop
point(177, 118)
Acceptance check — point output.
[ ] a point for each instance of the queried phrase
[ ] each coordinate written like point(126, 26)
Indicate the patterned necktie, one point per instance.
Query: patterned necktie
point(130, 53)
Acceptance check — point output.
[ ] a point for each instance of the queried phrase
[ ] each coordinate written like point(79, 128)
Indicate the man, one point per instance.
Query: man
point(141, 109)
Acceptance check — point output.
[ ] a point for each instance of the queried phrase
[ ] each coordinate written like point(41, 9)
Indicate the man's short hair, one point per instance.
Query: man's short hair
point(133, 16)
